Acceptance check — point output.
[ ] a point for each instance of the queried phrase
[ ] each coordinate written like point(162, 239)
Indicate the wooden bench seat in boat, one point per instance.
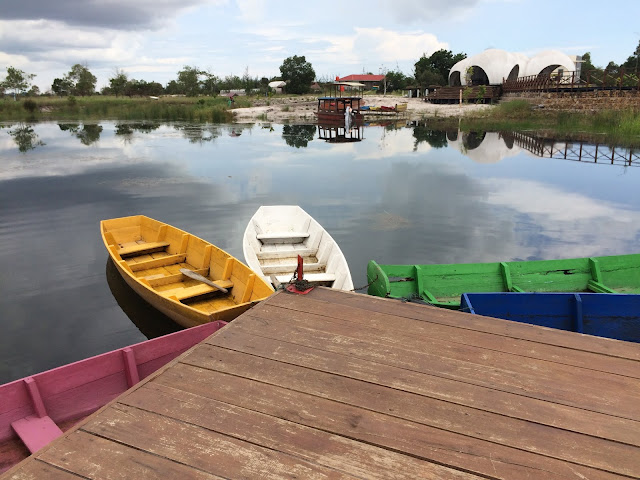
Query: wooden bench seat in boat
point(291, 267)
point(36, 432)
point(157, 262)
point(142, 248)
point(184, 293)
point(310, 277)
point(282, 237)
point(285, 250)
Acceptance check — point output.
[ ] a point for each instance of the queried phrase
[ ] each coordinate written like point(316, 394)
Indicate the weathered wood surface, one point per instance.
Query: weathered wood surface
point(341, 385)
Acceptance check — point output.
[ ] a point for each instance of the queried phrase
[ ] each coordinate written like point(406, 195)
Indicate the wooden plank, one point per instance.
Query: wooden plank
point(36, 432)
point(142, 248)
point(138, 266)
point(317, 446)
point(93, 457)
point(379, 309)
point(479, 366)
point(315, 352)
point(201, 448)
point(37, 470)
point(555, 443)
point(381, 429)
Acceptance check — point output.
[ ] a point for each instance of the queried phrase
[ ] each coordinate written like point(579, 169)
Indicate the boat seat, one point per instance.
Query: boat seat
point(184, 293)
point(157, 262)
point(36, 432)
point(291, 267)
point(310, 277)
point(282, 237)
point(285, 250)
point(142, 249)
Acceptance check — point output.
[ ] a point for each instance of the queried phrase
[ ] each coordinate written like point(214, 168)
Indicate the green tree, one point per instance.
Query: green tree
point(61, 86)
point(17, 80)
point(298, 73)
point(396, 80)
point(82, 81)
point(632, 64)
point(189, 81)
point(118, 83)
point(434, 69)
point(587, 69)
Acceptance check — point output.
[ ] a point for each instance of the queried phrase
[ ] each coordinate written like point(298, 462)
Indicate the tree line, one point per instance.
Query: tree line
point(296, 71)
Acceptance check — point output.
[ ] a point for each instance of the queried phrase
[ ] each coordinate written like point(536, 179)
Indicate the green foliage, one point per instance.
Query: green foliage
point(298, 73)
point(482, 91)
point(189, 81)
point(25, 137)
point(514, 109)
point(61, 86)
point(298, 136)
point(30, 105)
point(17, 81)
point(81, 80)
point(434, 70)
point(118, 83)
point(396, 81)
point(435, 138)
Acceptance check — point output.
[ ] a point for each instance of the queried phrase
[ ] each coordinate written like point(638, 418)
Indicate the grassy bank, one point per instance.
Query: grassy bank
point(207, 109)
point(615, 126)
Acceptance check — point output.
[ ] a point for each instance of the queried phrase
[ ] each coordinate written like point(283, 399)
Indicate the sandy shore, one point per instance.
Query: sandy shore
point(301, 109)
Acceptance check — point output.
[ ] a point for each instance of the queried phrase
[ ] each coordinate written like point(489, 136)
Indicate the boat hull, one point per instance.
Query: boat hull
point(65, 395)
point(442, 285)
point(149, 255)
point(276, 235)
point(600, 314)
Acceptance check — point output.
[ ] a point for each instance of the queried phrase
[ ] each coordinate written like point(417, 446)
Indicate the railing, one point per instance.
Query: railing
point(578, 151)
point(595, 80)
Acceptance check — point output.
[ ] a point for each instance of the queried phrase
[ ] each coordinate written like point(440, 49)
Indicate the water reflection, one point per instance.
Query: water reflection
point(340, 134)
point(402, 196)
point(149, 321)
point(492, 147)
point(87, 133)
point(25, 137)
point(298, 136)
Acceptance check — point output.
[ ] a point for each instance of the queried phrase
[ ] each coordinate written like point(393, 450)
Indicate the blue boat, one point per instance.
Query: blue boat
point(605, 315)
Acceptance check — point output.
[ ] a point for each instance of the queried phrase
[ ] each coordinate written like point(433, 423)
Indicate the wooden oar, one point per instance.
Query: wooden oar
point(200, 278)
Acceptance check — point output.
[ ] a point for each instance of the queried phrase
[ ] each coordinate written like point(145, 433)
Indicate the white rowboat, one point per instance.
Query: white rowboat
point(277, 234)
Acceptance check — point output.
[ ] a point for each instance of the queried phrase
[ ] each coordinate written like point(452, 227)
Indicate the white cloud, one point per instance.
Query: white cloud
point(390, 46)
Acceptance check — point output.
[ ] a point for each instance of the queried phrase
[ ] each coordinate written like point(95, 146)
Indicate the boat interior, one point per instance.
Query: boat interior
point(154, 253)
point(277, 240)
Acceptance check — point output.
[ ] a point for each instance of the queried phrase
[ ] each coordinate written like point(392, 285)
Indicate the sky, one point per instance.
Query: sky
point(154, 39)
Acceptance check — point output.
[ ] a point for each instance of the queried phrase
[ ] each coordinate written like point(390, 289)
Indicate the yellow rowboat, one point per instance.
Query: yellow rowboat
point(186, 278)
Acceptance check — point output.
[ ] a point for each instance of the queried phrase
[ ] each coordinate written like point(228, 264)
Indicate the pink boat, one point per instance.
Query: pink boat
point(37, 409)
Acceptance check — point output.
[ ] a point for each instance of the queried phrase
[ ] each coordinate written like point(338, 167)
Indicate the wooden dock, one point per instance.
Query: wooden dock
point(341, 385)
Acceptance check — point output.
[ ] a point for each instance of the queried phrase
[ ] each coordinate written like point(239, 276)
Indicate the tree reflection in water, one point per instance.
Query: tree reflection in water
point(25, 137)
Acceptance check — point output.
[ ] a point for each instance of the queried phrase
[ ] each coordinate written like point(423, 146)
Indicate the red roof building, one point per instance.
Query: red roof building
point(369, 80)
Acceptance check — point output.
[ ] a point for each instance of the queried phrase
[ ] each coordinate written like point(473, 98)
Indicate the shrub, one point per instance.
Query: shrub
point(30, 105)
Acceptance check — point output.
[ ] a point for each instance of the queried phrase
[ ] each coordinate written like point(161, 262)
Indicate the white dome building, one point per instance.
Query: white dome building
point(547, 61)
point(493, 66)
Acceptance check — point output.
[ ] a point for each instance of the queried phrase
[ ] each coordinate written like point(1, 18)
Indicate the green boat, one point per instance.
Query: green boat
point(442, 285)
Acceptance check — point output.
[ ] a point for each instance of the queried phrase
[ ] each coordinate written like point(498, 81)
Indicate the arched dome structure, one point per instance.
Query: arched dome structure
point(493, 66)
point(547, 62)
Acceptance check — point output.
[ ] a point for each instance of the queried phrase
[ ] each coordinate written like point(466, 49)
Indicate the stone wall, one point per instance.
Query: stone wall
point(589, 101)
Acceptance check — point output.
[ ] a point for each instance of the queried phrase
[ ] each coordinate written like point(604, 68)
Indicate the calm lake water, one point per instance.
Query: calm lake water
point(402, 194)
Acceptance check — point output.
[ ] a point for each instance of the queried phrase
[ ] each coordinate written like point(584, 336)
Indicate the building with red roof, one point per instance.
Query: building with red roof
point(372, 82)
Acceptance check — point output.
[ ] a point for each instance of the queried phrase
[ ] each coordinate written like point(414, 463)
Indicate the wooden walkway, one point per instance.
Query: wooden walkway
point(340, 385)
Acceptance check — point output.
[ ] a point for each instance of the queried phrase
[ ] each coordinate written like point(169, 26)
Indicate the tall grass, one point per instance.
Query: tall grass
point(210, 109)
point(619, 126)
